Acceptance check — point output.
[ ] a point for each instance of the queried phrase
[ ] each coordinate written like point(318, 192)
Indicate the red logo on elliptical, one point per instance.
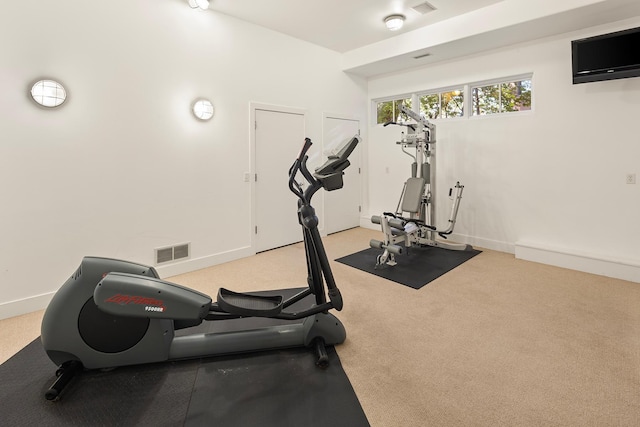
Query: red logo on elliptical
point(151, 304)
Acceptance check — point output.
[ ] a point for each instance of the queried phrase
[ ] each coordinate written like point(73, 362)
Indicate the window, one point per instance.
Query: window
point(389, 111)
point(442, 105)
point(501, 97)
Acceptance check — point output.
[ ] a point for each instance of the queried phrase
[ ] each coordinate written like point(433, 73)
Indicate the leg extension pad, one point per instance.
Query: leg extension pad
point(377, 244)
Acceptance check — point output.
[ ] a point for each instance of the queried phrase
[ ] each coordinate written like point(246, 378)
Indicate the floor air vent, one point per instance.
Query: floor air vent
point(173, 253)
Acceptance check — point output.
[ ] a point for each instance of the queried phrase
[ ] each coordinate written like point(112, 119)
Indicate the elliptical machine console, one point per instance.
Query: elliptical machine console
point(112, 313)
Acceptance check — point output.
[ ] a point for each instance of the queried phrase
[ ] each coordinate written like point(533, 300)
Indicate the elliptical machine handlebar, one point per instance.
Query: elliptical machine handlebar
point(327, 176)
point(300, 164)
point(305, 147)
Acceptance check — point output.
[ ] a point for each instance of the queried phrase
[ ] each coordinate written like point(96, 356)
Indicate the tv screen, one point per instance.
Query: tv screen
point(606, 57)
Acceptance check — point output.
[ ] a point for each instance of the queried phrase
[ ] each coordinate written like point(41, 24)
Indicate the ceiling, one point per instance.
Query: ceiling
point(454, 28)
point(342, 25)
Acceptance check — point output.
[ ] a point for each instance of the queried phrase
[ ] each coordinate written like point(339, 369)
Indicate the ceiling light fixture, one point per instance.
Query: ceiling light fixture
point(394, 22)
point(202, 4)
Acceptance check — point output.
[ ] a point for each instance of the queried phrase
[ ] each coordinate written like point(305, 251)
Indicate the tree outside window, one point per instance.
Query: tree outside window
point(389, 111)
point(430, 106)
point(516, 96)
point(452, 104)
point(501, 98)
point(442, 105)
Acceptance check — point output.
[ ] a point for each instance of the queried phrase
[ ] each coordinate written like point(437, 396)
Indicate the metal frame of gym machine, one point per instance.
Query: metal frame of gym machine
point(417, 198)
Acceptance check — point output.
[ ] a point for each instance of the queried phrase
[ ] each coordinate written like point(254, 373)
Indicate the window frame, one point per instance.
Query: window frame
point(439, 92)
point(394, 98)
point(467, 104)
point(498, 82)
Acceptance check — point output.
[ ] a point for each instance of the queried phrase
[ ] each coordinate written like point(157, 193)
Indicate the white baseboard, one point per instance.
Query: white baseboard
point(207, 261)
point(24, 306)
point(495, 245)
point(480, 243)
point(365, 222)
point(588, 263)
point(40, 302)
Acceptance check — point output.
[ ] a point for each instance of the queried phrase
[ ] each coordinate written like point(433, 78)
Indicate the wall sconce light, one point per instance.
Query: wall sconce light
point(48, 93)
point(394, 22)
point(202, 4)
point(203, 109)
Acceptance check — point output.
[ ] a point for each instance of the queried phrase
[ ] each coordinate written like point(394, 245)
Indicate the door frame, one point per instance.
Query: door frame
point(253, 106)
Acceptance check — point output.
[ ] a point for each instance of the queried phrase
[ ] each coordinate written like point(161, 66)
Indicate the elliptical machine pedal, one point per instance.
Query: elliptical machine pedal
point(249, 305)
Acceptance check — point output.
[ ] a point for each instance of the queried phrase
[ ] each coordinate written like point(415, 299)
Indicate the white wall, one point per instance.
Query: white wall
point(123, 167)
point(551, 180)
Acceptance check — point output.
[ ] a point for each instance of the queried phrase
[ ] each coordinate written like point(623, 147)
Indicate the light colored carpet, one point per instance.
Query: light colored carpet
point(496, 341)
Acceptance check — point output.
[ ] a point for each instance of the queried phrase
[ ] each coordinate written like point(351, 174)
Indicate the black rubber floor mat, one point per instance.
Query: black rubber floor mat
point(238, 387)
point(154, 394)
point(415, 268)
point(278, 388)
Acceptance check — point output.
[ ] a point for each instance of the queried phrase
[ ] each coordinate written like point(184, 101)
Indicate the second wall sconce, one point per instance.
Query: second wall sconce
point(48, 93)
point(203, 109)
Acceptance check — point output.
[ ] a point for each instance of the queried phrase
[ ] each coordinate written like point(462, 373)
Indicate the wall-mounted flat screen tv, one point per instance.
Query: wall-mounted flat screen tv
point(606, 57)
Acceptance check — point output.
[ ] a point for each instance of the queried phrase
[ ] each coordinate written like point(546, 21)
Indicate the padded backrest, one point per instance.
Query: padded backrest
point(412, 197)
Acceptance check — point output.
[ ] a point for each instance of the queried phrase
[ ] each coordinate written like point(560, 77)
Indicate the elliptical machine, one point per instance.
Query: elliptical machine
point(413, 222)
point(112, 313)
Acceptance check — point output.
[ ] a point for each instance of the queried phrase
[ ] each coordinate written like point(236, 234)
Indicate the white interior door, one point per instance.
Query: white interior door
point(279, 135)
point(342, 207)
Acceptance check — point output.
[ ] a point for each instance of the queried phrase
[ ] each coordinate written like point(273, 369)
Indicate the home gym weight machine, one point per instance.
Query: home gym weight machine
point(112, 313)
point(413, 222)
